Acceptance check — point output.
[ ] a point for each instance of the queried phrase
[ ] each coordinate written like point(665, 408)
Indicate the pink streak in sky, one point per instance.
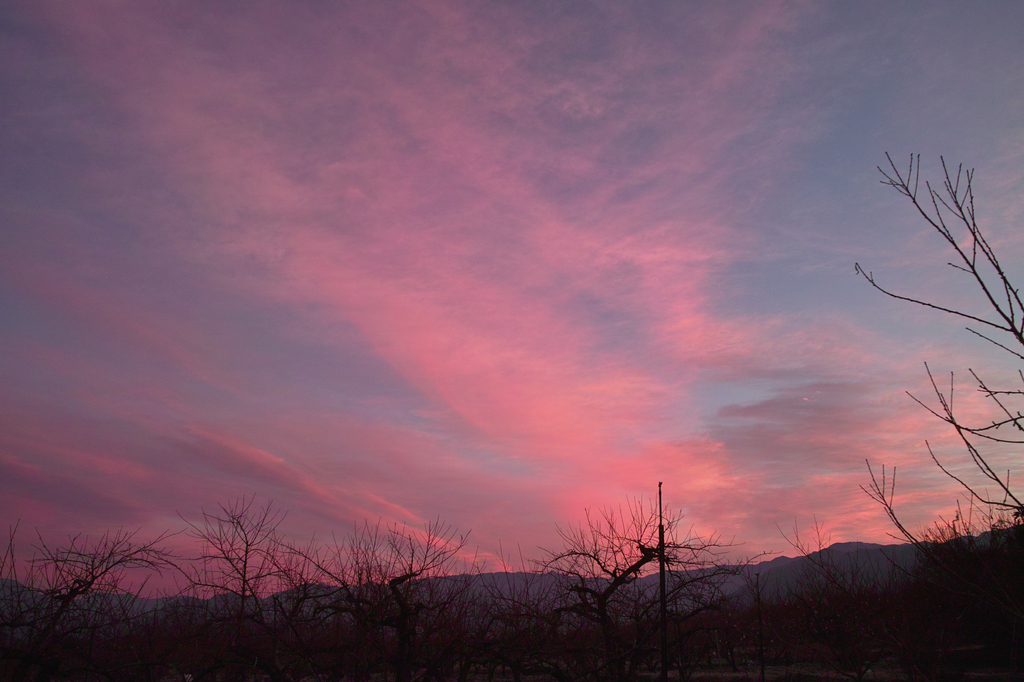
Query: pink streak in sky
point(528, 245)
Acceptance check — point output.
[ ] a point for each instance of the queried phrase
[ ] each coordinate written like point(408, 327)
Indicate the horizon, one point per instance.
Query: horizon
point(177, 576)
point(495, 264)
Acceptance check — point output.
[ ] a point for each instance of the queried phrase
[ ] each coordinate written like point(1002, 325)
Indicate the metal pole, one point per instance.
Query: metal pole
point(760, 624)
point(661, 579)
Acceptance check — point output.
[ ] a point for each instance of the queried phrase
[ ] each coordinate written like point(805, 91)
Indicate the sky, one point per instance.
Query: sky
point(494, 263)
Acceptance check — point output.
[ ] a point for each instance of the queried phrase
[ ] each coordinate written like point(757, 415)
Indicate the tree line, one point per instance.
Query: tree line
point(384, 602)
point(391, 602)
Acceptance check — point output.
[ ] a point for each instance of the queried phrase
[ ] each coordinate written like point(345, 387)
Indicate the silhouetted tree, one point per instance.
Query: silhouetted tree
point(951, 213)
point(253, 590)
point(525, 630)
point(400, 597)
point(600, 565)
point(71, 599)
point(843, 598)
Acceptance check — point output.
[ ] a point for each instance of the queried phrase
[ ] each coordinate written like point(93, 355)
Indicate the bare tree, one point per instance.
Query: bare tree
point(524, 630)
point(992, 503)
point(235, 577)
point(843, 599)
point(69, 598)
point(601, 563)
point(399, 597)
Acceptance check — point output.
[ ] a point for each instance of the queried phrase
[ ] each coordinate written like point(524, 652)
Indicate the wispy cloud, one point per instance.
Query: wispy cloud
point(431, 258)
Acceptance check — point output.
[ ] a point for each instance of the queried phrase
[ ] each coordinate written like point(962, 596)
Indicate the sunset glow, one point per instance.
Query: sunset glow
point(489, 262)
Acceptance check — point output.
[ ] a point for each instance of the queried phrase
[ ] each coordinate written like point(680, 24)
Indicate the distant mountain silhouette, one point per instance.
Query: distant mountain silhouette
point(776, 576)
point(869, 559)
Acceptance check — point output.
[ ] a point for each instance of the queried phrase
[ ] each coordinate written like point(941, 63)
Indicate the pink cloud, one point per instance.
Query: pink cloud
point(528, 236)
